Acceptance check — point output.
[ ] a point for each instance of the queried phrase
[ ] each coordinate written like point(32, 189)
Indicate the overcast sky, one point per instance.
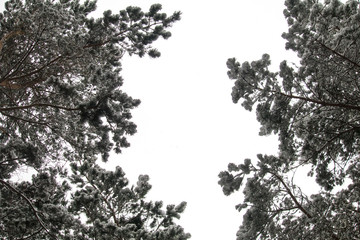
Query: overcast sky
point(188, 127)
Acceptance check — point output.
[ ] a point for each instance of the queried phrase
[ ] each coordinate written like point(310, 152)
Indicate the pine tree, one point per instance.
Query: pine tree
point(314, 109)
point(61, 110)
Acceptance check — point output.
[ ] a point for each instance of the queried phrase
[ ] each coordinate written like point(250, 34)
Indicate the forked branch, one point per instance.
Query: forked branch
point(296, 202)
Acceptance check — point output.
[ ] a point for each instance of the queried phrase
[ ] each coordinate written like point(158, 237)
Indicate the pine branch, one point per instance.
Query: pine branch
point(31, 206)
point(306, 99)
point(337, 53)
point(31, 235)
point(112, 211)
point(8, 36)
point(38, 105)
point(323, 103)
point(5, 82)
point(298, 205)
point(33, 72)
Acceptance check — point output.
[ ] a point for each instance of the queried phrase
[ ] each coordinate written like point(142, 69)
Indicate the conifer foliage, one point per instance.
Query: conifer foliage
point(62, 109)
point(314, 109)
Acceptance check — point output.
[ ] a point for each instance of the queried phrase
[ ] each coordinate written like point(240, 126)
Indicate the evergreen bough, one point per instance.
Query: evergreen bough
point(61, 110)
point(314, 109)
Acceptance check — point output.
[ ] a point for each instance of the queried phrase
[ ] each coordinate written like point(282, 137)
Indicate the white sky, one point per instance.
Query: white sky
point(188, 127)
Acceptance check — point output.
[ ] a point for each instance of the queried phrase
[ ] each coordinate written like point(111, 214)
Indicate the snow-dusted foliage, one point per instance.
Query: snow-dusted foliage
point(62, 109)
point(314, 109)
